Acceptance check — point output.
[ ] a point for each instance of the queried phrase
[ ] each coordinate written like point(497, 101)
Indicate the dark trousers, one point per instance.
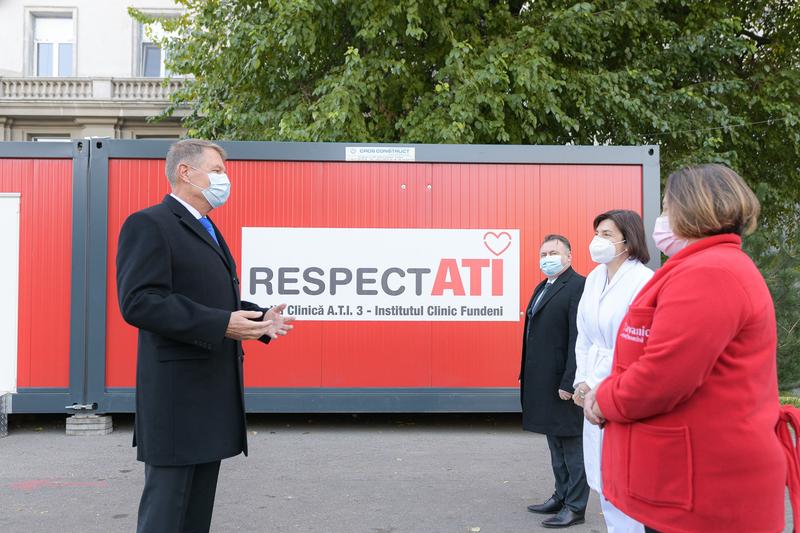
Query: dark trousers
point(178, 499)
point(566, 455)
point(649, 530)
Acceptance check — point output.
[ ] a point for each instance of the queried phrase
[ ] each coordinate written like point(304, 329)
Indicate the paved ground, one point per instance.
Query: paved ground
point(337, 474)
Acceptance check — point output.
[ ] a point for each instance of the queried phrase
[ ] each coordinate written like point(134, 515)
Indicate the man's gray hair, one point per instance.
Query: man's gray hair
point(189, 151)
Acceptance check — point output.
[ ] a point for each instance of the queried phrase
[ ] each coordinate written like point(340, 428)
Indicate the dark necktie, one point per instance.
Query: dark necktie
point(209, 228)
point(535, 306)
point(539, 298)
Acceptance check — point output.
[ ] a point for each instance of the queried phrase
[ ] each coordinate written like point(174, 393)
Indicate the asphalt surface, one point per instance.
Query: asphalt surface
point(305, 473)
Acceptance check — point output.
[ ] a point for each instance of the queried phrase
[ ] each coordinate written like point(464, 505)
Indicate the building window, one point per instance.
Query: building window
point(49, 137)
point(158, 136)
point(152, 63)
point(151, 54)
point(53, 46)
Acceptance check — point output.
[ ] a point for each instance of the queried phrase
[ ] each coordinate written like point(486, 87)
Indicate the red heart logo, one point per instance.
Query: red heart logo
point(497, 243)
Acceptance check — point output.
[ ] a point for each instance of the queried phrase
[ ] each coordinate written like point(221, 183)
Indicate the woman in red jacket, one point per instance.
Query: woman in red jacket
point(692, 404)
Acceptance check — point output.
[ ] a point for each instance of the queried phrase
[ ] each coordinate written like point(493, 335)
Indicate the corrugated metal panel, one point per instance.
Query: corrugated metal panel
point(45, 273)
point(537, 199)
point(132, 185)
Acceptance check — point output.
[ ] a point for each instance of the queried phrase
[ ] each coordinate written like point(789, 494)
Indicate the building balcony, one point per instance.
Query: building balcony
point(57, 90)
point(121, 108)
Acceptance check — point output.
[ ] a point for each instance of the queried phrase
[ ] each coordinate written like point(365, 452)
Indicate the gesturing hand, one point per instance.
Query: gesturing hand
point(280, 324)
point(242, 328)
point(564, 395)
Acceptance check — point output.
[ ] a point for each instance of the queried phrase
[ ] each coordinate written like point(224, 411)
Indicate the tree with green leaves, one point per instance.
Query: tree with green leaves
point(707, 80)
point(781, 269)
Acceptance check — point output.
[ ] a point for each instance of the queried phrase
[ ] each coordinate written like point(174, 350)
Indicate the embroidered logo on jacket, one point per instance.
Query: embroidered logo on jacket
point(638, 335)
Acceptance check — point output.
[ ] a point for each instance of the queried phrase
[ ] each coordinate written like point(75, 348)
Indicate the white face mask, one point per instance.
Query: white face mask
point(602, 250)
point(551, 265)
point(218, 190)
point(665, 239)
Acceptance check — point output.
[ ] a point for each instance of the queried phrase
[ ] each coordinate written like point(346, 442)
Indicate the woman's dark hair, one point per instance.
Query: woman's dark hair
point(630, 225)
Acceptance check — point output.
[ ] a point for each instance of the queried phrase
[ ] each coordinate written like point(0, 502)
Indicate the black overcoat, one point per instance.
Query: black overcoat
point(179, 288)
point(548, 359)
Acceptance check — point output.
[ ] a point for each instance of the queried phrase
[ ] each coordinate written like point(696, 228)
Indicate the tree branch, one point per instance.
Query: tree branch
point(760, 39)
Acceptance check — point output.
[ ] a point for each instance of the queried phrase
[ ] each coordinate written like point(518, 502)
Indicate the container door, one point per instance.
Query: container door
point(9, 290)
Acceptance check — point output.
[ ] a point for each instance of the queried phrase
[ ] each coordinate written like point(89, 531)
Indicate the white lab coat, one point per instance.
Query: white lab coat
point(600, 312)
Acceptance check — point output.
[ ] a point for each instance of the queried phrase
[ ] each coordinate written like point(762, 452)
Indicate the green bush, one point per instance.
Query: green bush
point(790, 400)
point(776, 252)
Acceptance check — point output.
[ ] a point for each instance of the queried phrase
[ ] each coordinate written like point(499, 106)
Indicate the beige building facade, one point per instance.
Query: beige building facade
point(82, 68)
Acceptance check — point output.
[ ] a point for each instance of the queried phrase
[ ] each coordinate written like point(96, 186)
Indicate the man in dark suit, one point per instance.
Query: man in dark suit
point(177, 283)
point(546, 376)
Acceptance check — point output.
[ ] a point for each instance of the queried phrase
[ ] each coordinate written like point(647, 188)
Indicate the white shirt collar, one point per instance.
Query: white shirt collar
point(191, 209)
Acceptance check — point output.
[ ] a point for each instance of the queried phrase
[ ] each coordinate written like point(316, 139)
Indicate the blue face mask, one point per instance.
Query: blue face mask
point(551, 265)
point(218, 190)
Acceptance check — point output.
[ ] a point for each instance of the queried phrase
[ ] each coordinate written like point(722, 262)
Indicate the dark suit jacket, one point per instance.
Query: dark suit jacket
point(548, 359)
point(179, 288)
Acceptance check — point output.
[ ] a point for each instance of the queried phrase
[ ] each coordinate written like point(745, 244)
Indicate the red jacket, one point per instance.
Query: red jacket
point(692, 401)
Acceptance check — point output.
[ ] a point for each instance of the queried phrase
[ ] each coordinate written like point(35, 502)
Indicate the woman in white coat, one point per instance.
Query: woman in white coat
point(620, 248)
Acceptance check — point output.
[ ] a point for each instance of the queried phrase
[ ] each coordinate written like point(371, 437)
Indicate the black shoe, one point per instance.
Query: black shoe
point(551, 506)
point(565, 518)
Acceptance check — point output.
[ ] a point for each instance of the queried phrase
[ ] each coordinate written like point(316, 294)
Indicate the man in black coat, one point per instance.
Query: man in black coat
point(546, 376)
point(177, 283)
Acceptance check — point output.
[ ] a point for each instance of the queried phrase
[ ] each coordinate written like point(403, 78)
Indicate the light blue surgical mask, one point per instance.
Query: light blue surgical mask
point(551, 265)
point(218, 190)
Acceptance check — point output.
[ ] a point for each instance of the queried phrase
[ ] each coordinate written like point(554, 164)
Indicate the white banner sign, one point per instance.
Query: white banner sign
point(380, 153)
point(384, 274)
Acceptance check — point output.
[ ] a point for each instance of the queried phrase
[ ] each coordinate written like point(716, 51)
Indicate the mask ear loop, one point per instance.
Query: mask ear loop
point(623, 251)
point(190, 181)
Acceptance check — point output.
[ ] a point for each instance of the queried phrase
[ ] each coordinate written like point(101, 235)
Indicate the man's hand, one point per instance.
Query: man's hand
point(591, 410)
point(279, 324)
point(242, 328)
point(580, 393)
point(564, 395)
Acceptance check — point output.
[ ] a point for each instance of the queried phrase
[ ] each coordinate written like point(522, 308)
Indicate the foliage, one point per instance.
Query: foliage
point(790, 400)
point(778, 258)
